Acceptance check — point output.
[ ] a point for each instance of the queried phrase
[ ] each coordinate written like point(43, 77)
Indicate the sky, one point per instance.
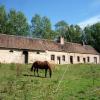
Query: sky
point(81, 12)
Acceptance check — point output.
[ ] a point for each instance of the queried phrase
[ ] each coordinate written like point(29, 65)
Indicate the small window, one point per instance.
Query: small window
point(63, 57)
point(38, 52)
point(52, 57)
point(88, 59)
point(11, 51)
point(78, 58)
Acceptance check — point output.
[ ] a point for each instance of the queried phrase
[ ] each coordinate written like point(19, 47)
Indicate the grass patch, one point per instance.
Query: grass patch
point(80, 82)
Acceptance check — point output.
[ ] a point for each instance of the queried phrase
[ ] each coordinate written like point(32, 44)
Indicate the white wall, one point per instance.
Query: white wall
point(18, 57)
point(67, 57)
point(33, 56)
point(11, 57)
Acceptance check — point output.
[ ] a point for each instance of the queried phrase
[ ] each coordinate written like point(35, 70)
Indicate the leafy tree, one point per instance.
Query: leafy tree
point(78, 32)
point(36, 26)
point(41, 27)
point(75, 33)
point(3, 19)
point(62, 29)
point(17, 23)
point(46, 28)
point(93, 35)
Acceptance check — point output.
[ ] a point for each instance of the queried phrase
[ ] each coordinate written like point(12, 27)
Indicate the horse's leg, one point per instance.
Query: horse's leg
point(34, 71)
point(45, 72)
point(37, 72)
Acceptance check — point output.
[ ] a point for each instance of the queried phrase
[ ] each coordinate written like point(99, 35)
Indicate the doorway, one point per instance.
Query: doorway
point(84, 60)
point(58, 60)
point(25, 57)
point(71, 59)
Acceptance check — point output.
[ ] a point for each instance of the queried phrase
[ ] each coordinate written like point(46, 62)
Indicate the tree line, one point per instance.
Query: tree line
point(15, 23)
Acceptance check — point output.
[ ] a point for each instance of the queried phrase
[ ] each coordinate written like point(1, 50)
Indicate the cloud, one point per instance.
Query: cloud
point(89, 21)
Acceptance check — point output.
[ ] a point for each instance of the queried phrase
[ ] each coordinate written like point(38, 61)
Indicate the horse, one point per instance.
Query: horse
point(41, 65)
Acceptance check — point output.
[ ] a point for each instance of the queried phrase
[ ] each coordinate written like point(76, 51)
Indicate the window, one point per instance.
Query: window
point(52, 57)
point(95, 60)
point(63, 57)
point(38, 52)
point(88, 59)
point(78, 58)
point(11, 51)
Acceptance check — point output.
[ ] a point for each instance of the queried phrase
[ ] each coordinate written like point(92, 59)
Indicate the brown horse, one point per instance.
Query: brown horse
point(41, 65)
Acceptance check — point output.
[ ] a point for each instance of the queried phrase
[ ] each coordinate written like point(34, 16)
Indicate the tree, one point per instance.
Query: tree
point(46, 28)
point(75, 33)
point(62, 29)
point(93, 35)
point(3, 19)
point(41, 27)
point(78, 32)
point(36, 26)
point(17, 23)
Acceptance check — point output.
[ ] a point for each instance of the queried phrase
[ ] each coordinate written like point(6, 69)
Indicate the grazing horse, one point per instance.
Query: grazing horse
point(41, 65)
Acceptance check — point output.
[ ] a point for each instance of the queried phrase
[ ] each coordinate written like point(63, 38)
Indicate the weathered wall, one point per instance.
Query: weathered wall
point(67, 57)
point(33, 56)
point(17, 56)
point(11, 57)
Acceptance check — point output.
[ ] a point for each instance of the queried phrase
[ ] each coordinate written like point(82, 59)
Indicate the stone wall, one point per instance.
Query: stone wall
point(17, 56)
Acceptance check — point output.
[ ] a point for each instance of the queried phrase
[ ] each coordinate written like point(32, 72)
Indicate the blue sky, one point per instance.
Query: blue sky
point(80, 12)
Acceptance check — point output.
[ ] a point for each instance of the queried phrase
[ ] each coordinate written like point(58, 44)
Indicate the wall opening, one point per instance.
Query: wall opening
point(84, 60)
point(25, 57)
point(52, 57)
point(71, 59)
point(58, 60)
point(95, 60)
point(78, 58)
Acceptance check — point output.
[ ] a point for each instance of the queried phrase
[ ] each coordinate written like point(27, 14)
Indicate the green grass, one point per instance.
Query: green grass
point(80, 82)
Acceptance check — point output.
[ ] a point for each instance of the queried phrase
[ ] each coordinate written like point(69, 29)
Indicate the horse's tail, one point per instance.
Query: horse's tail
point(50, 71)
point(32, 67)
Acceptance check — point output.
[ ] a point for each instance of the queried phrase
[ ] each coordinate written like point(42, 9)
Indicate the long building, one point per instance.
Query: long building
point(18, 49)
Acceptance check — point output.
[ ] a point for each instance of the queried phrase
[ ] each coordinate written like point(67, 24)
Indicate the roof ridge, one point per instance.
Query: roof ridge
point(26, 37)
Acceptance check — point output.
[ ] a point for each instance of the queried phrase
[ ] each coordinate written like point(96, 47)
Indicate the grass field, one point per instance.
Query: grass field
point(68, 82)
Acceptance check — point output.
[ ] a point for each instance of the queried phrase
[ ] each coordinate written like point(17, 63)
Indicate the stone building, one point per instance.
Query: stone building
point(18, 49)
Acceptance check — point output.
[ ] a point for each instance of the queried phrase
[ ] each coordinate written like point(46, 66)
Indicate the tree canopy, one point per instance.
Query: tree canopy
point(15, 23)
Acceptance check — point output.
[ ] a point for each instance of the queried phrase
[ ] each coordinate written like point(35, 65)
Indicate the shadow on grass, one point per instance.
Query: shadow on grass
point(33, 76)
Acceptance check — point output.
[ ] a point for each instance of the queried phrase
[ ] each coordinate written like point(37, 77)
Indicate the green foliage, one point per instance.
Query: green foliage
point(3, 19)
point(13, 22)
point(62, 29)
point(71, 33)
point(36, 26)
point(93, 35)
point(46, 27)
point(41, 27)
point(17, 23)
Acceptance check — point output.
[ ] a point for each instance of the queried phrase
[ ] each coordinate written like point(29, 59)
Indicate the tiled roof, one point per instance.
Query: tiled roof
point(19, 42)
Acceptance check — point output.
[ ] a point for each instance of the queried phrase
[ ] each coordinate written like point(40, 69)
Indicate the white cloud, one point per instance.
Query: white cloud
point(89, 21)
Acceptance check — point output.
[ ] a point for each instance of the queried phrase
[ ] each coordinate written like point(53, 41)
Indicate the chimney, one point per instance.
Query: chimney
point(83, 43)
point(61, 40)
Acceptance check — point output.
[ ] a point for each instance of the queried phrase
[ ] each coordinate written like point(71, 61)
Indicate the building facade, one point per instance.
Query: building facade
point(17, 49)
